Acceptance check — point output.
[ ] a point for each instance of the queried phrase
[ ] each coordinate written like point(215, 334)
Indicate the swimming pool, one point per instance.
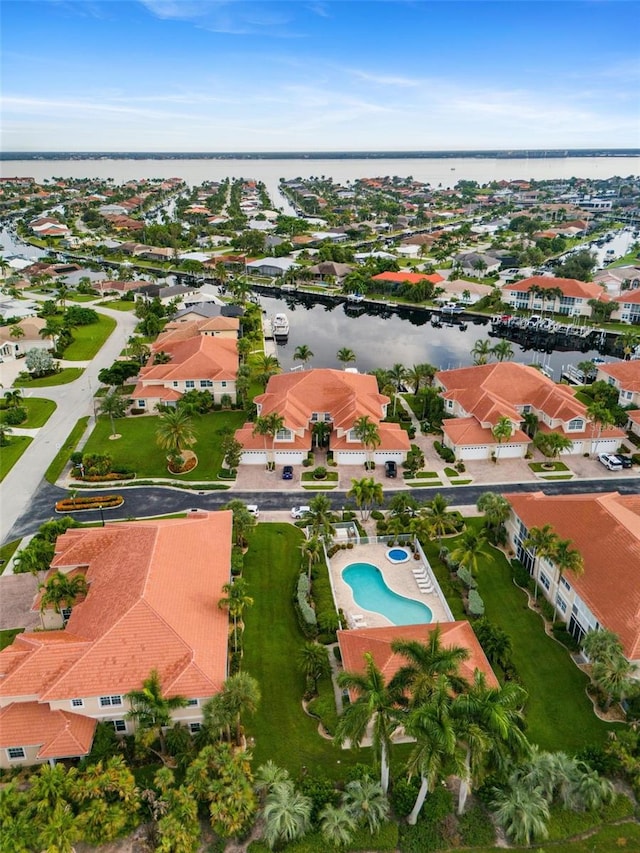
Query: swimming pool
point(398, 554)
point(371, 593)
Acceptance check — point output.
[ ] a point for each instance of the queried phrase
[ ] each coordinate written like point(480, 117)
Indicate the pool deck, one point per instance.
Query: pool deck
point(398, 577)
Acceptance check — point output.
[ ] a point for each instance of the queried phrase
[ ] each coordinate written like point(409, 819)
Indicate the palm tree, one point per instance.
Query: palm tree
point(366, 802)
point(367, 432)
point(314, 662)
point(51, 330)
point(138, 349)
point(397, 375)
point(614, 676)
point(286, 813)
point(503, 350)
point(151, 710)
point(318, 519)
point(114, 405)
point(321, 430)
point(601, 645)
point(13, 398)
point(551, 445)
point(522, 812)
point(4, 432)
point(345, 356)
point(469, 549)
point(366, 493)
point(240, 288)
point(337, 825)
point(502, 430)
point(303, 354)
point(17, 332)
point(376, 703)
point(240, 695)
point(496, 509)
point(481, 351)
point(489, 726)
point(311, 551)
point(175, 430)
point(266, 366)
point(61, 589)
point(403, 505)
point(440, 521)
point(430, 724)
point(600, 418)
point(565, 559)
point(235, 602)
point(269, 425)
point(542, 541)
point(530, 422)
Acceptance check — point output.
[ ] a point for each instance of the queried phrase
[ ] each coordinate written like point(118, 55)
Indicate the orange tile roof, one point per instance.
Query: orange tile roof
point(201, 357)
point(59, 734)
point(467, 431)
point(250, 441)
point(155, 392)
point(568, 286)
point(179, 330)
point(626, 372)
point(152, 603)
point(347, 396)
point(490, 391)
point(634, 415)
point(605, 529)
point(411, 277)
point(392, 437)
point(630, 296)
point(377, 642)
point(221, 324)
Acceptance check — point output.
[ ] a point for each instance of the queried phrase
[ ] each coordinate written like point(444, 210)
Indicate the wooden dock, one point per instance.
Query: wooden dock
point(270, 347)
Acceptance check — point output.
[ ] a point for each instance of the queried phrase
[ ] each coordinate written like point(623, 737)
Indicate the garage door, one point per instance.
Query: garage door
point(254, 457)
point(289, 457)
point(479, 451)
point(351, 457)
point(397, 456)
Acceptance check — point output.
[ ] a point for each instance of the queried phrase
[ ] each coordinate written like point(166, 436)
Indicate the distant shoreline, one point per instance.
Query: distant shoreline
point(515, 154)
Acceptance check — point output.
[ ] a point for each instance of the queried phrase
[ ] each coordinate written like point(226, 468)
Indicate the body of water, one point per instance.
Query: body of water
point(372, 593)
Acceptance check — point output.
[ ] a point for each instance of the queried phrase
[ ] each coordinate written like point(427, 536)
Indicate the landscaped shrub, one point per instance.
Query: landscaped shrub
point(325, 609)
point(443, 452)
point(563, 636)
point(320, 789)
point(403, 795)
point(377, 515)
point(476, 604)
point(89, 502)
point(306, 613)
point(15, 416)
point(520, 575)
point(237, 561)
point(546, 608)
point(382, 527)
point(426, 835)
point(476, 828)
point(467, 578)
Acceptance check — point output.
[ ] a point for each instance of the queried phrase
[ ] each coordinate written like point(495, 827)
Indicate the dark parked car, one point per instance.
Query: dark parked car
point(287, 472)
point(625, 461)
point(390, 468)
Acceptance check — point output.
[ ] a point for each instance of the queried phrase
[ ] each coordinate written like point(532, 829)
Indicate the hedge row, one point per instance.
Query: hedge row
point(89, 502)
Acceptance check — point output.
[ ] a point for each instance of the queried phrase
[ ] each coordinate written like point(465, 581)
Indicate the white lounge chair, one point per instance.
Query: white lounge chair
point(419, 574)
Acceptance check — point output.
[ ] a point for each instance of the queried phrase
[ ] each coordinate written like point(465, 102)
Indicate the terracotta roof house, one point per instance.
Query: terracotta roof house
point(633, 424)
point(605, 529)
point(465, 292)
point(568, 295)
point(401, 277)
point(377, 642)
point(629, 307)
point(334, 397)
point(477, 397)
point(12, 346)
point(152, 603)
point(625, 378)
point(201, 363)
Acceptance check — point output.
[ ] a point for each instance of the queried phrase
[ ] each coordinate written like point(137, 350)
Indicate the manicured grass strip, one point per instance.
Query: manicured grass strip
point(12, 451)
point(542, 467)
point(118, 304)
point(7, 636)
point(419, 484)
point(461, 482)
point(624, 836)
point(87, 340)
point(319, 488)
point(559, 714)
point(138, 450)
point(558, 477)
point(61, 458)
point(66, 375)
point(7, 551)
point(281, 729)
point(329, 477)
point(425, 475)
point(38, 409)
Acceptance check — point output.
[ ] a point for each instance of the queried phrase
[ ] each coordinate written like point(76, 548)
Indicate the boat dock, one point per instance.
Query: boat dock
point(270, 347)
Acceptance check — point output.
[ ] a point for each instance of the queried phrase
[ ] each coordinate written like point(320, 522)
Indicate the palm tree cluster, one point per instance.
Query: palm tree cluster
point(464, 727)
point(482, 351)
point(544, 542)
point(611, 672)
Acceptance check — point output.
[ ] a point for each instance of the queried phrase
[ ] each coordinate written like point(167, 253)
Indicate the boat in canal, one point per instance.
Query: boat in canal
point(280, 326)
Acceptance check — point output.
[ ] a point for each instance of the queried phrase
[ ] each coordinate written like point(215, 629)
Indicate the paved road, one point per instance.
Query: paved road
point(149, 500)
point(73, 401)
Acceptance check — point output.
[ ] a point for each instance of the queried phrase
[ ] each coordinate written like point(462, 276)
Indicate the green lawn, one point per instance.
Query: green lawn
point(7, 551)
point(38, 409)
point(559, 715)
point(546, 467)
point(624, 837)
point(61, 458)
point(11, 452)
point(118, 304)
point(87, 340)
point(138, 450)
point(282, 731)
point(63, 377)
point(7, 636)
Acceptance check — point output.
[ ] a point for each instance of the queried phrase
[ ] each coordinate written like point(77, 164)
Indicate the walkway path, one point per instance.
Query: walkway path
point(73, 401)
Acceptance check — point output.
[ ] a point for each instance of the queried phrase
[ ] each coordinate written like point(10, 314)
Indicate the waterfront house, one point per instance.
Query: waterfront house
point(476, 398)
point(625, 378)
point(152, 603)
point(395, 279)
point(466, 292)
point(273, 267)
point(477, 263)
point(333, 397)
point(605, 530)
point(629, 307)
point(199, 362)
point(560, 295)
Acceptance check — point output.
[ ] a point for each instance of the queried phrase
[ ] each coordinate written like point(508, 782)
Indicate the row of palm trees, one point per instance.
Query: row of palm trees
point(545, 543)
point(304, 354)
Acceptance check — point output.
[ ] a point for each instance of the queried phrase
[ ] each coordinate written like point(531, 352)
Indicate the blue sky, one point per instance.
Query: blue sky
point(220, 75)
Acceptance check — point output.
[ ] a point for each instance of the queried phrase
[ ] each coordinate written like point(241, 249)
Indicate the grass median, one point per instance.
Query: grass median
point(61, 458)
point(12, 451)
point(87, 340)
point(38, 409)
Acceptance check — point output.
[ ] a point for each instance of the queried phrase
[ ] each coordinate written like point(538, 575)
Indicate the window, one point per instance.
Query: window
point(175, 383)
point(119, 726)
point(65, 613)
point(108, 701)
point(283, 435)
point(314, 417)
point(15, 752)
point(576, 424)
point(565, 583)
point(141, 404)
point(77, 703)
point(544, 580)
point(223, 384)
point(562, 604)
point(327, 417)
point(194, 728)
point(190, 383)
point(206, 383)
point(191, 702)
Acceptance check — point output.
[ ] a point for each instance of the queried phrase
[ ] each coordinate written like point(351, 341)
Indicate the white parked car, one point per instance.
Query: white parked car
point(253, 509)
point(610, 461)
point(300, 511)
